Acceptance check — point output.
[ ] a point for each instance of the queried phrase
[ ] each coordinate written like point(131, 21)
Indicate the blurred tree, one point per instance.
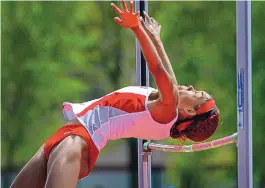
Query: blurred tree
point(32, 83)
point(43, 58)
point(258, 90)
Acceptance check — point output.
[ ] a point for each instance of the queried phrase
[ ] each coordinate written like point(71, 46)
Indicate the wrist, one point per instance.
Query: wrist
point(135, 29)
point(156, 39)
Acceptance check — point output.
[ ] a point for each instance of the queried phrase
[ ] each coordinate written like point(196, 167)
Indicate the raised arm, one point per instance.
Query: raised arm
point(152, 28)
point(163, 80)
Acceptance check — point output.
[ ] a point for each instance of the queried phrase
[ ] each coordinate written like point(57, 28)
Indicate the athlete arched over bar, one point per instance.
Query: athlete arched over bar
point(171, 110)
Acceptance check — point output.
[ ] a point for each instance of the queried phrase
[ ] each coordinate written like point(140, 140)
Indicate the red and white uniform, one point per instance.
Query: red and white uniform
point(120, 114)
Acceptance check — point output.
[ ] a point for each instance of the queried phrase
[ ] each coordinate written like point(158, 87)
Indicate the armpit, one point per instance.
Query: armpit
point(154, 95)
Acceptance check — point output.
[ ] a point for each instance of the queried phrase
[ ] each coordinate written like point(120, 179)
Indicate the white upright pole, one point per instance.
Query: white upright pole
point(244, 94)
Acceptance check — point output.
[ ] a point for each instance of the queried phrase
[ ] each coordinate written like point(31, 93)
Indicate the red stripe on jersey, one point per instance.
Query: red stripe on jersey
point(127, 102)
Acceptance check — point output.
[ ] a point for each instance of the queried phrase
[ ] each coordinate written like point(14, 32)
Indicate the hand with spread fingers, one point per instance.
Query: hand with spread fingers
point(128, 19)
point(150, 25)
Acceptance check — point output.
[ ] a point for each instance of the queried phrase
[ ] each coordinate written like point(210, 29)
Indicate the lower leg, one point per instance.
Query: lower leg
point(33, 173)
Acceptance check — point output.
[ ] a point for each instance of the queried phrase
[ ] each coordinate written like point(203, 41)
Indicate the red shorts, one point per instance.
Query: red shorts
point(66, 131)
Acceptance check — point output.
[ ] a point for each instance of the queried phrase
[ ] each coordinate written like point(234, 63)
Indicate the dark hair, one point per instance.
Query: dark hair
point(201, 128)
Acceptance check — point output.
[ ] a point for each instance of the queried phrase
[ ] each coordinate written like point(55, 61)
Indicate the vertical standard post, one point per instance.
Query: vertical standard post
point(144, 157)
point(244, 94)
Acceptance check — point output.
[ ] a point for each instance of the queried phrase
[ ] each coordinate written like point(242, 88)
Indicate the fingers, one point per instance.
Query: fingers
point(131, 6)
point(141, 20)
point(124, 5)
point(117, 10)
point(137, 13)
point(146, 15)
point(147, 18)
point(152, 20)
point(142, 23)
point(118, 21)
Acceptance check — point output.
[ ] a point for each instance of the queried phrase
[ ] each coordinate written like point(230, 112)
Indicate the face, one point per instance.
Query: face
point(190, 99)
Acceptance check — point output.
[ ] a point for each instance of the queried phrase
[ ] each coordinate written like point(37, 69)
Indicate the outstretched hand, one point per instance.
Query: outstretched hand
point(128, 19)
point(151, 26)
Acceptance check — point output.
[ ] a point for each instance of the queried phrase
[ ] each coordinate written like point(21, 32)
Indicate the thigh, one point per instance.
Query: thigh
point(33, 174)
point(63, 141)
point(66, 162)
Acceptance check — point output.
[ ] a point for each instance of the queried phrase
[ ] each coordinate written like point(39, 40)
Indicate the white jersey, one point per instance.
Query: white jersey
point(120, 114)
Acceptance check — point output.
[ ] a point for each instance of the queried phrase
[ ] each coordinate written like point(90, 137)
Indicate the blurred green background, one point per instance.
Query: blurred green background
point(73, 51)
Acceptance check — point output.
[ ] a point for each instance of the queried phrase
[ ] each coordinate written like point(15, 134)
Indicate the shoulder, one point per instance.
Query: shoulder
point(161, 112)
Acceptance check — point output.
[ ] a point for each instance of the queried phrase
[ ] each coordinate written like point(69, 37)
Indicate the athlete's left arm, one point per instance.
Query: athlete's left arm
point(153, 28)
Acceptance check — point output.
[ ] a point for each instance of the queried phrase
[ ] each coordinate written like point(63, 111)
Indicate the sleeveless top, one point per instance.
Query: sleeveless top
point(120, 114)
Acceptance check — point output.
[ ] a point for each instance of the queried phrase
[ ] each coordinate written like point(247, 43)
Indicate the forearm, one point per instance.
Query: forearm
point(148, 49)
point(162, 78)
point(163, 56)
